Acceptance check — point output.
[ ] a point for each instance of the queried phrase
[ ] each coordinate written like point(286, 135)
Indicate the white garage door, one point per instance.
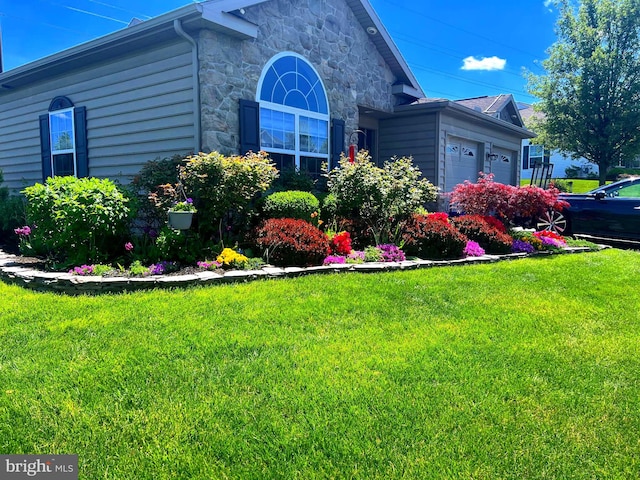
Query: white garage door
point(501, 167)
point(461, 163)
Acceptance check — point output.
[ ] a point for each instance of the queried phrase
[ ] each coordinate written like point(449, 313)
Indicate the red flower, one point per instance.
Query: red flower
point(341, 244)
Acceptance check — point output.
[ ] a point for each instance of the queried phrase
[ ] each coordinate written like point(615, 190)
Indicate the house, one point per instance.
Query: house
point(533, 154)
point(300, 80)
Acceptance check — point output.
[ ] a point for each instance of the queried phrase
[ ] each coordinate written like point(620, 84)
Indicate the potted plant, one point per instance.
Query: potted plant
point(181, 214)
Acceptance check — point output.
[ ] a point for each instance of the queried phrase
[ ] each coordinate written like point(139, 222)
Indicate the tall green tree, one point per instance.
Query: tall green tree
point(590, 94)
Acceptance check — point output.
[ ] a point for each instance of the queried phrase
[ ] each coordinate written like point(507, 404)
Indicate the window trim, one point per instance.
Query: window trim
point(64, 151)
point(297, 153)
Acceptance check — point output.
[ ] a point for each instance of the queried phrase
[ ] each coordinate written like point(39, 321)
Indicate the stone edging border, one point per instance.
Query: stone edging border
point(12, 272)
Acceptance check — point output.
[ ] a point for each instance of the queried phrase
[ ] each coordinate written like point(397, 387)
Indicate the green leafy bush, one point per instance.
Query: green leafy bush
point(382, 197)
point(429, 237)
point(178, 245)
point(225, 187)
point(292, 242)
point(76, 220)
point(476, 228)
point(292, 204)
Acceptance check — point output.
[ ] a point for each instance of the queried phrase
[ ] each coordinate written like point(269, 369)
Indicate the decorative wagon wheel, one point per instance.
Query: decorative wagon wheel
point(554, 221)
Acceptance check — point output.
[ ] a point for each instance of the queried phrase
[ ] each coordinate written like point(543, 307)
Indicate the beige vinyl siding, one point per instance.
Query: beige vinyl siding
point(139, 108)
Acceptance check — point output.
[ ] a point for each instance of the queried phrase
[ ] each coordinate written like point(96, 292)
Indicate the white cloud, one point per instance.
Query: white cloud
point(484, 63)
point(548, 4)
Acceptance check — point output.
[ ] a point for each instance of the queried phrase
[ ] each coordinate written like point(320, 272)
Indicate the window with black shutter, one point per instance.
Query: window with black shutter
point(63, 140)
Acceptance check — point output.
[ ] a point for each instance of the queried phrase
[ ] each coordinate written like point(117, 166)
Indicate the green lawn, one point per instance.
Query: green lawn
point(524, 369)
point(580, 185)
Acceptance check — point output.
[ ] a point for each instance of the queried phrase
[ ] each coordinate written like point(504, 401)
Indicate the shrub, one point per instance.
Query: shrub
point(76, 220)
point(178, 245)
point(12, 215)
point(224, 186)
point(292, 204)
point(431, 238)
point(148, 187)
point(295, 179)
point(485, 197)
point(475, 228)
point(508, 203)
point(289, 241)
point(381, 197)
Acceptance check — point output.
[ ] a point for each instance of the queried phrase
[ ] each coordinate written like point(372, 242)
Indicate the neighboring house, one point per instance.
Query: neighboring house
point(300, 80)
point(533, 153)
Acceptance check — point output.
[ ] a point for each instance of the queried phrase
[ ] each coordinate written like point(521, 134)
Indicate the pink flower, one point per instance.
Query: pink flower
point(128, 246)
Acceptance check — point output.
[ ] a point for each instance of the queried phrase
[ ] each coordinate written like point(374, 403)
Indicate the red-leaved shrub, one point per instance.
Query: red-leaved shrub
point(292, 242)
point(495, 223)
point(477, 229)
point(430, 238)
point(508, 203)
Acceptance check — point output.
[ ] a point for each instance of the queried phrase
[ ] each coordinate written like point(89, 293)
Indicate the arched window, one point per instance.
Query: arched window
point(294, 114)
point(63, 140)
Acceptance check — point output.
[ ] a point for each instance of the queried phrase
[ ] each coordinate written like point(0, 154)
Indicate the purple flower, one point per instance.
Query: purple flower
point(334, 259)
point(189, 200)
point(128, 246)
point(83, 270)
point(209, 265)
point(391, 253)
point(356, 256)
point(152, 233)
point(162, 267)
point(473, 249)
point(520, 246)
point(24, 231)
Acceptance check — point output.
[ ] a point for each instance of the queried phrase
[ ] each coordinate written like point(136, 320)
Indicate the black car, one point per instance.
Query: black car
point(611, 211)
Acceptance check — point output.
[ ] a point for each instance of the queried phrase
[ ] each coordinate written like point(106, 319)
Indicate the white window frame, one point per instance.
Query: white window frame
point(73, 137)
point(297, 153)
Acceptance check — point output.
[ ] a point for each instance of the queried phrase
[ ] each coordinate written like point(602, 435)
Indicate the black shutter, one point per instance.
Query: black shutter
point(525, 158)
point(82, 152)
point(337, 141)
point(45, 147)
point(249, 126)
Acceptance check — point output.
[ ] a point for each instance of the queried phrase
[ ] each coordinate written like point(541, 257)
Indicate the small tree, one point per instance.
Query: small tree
point(381, 197)
point(590, 95)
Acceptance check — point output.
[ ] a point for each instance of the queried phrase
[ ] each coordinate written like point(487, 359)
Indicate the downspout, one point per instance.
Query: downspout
point(197, 113)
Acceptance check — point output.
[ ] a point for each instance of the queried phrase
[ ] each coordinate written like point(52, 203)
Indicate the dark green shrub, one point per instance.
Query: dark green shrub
point(616, 173)
point(178, 245)
point(12, 216)
point(292, 242)
point(430, 238)
point(148, 190)
point(295, 179)
point(76, 220)
point(292, 204)
point(475, 228)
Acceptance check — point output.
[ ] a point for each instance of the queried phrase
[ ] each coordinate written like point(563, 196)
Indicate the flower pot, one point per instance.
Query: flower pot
point(180, 220)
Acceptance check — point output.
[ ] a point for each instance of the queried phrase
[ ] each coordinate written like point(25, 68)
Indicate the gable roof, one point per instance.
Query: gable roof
point(498, 106)
point(217, 15)
point(460, 109)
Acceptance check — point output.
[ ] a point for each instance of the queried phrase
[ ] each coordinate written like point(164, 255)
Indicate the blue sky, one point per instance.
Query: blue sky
point(456, 48)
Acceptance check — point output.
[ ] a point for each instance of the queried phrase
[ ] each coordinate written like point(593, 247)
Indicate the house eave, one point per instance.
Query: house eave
point(463, 112)
point(193, 17)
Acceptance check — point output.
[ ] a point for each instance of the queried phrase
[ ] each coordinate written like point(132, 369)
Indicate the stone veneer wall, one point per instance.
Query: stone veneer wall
point(325, 32)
